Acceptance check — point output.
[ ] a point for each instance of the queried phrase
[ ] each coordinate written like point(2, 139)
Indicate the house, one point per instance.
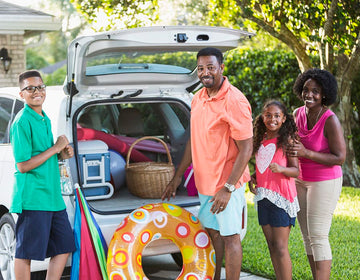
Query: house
point(16, 24)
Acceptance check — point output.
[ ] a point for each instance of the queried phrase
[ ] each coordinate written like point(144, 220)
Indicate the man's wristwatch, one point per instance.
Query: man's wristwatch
point(230, 188)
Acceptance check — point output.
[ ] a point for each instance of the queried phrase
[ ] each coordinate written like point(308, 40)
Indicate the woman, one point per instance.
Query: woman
point(321, 152)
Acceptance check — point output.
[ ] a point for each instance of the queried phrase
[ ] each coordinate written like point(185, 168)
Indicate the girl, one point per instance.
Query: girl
point(275, 191)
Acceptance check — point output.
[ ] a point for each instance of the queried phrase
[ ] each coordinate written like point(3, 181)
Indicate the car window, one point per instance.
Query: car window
point(136, 61)
point(99, 117)
point(18, 106)
point(8, 110)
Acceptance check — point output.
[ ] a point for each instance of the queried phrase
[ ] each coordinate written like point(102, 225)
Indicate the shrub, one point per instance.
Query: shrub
point(263, 75)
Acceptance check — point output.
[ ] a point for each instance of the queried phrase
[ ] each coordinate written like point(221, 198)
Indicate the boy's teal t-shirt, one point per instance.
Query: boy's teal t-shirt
point(38, 189)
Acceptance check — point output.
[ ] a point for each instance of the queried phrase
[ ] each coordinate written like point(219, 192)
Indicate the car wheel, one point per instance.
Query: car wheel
point(7, 247)
point(177, 257)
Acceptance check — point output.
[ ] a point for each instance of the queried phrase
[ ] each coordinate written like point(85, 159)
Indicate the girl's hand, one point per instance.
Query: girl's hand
point(252, 184)
point(276, 168)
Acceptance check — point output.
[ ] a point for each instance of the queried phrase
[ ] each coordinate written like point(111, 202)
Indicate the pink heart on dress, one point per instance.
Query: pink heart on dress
point(264, 156)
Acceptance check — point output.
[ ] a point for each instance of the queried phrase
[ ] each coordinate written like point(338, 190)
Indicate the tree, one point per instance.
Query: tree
point(51, 47)
point(329, 29)
point(105, 15)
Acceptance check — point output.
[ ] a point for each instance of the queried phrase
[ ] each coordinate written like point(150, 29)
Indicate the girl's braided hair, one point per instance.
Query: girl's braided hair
point(287, 132)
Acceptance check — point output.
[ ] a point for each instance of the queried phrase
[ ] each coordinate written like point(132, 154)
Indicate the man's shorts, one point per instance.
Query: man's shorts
point(227, 222)
point(43, 234)
point(270, 214)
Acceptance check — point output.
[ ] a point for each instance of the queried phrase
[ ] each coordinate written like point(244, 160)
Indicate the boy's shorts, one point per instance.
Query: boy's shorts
point(227, 222)
point(43, 234)
point(270, 214)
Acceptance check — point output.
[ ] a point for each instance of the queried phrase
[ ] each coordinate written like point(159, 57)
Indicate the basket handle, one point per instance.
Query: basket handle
point(145, 138)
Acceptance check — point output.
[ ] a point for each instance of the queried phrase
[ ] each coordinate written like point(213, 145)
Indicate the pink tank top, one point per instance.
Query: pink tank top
point(315, 140)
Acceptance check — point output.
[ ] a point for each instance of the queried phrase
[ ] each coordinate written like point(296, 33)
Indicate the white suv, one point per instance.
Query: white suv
point(120, 86)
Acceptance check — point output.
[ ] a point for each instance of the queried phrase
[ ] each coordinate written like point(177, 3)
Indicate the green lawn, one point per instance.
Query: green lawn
point(344, 239)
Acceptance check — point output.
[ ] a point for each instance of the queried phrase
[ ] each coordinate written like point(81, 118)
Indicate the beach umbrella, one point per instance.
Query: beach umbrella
point(89, 259)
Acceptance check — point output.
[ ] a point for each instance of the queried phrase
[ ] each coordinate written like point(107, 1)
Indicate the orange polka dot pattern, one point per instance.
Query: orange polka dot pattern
point(156, 221)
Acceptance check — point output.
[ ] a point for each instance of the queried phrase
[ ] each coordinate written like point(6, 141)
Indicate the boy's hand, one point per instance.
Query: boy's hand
point(61, 143)
point(67, 152)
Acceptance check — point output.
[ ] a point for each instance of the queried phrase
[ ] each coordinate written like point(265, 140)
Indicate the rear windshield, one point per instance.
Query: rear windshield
point(168, 62)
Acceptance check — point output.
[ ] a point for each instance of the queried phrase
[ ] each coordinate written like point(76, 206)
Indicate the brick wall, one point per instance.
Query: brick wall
point(15, 46)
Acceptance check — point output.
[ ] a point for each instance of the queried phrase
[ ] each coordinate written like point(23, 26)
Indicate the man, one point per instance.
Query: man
point(42, 229)
point(219, 147)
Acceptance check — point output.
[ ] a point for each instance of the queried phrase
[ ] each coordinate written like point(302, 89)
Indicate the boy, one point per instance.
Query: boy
point(42, 229)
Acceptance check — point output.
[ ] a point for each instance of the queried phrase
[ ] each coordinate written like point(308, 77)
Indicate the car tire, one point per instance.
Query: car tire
point(7, 247)
point(177, 257)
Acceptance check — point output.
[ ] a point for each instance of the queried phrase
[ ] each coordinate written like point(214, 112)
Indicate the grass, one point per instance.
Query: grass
point(344, 239)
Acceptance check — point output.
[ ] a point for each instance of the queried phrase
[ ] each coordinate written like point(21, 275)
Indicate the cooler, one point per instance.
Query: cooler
point(94, 161)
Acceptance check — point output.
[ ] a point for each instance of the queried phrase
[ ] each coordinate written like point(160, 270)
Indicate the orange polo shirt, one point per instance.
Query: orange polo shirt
point(215, 123)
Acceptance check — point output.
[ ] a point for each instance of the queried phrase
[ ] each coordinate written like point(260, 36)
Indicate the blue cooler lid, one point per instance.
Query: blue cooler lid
point(92, 147)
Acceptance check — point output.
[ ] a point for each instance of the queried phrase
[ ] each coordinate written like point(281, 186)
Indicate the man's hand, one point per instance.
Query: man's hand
point(170, 190)
point(220, 200)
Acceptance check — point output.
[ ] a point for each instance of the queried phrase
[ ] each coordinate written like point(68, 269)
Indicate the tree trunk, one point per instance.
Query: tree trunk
point(344, 113)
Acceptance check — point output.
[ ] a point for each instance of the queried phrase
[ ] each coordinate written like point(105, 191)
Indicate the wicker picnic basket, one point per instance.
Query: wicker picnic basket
point(148, 179)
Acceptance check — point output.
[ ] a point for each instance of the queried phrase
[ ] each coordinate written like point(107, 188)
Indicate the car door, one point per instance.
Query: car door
point(9, 107)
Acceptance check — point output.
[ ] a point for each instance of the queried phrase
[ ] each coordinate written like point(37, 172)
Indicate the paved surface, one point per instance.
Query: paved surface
point(164, 268)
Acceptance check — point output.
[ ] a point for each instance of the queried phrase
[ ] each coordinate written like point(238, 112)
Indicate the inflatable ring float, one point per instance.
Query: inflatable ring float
point(154, 221)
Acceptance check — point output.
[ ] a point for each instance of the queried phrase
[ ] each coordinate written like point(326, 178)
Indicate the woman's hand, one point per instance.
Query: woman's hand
point(297, 150)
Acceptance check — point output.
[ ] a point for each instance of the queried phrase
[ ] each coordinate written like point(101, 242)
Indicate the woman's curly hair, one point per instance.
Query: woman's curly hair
point(287, 132)
point(325, 80)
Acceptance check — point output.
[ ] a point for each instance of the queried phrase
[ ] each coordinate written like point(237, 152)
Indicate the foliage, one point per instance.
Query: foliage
point(263, 75)
point(225, 13)
point(323, 27)
point(329, 29)
point(116, 14)
point(35, 60)
point(344, 238)
point(56, 78)
point(51, 47)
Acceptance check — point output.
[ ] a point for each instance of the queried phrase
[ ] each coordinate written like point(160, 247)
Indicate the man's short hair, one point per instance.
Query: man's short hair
point(29, 74)
point(211, 52)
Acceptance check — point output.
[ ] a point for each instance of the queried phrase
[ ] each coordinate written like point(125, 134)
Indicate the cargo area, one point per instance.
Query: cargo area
point(105, 148)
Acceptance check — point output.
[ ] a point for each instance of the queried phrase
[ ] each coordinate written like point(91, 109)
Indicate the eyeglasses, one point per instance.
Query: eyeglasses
point(32, 89)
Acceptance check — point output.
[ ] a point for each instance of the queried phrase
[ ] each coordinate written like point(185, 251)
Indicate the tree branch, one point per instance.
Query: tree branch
point(285, 35)
point(352, 67)
point(328, 33)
